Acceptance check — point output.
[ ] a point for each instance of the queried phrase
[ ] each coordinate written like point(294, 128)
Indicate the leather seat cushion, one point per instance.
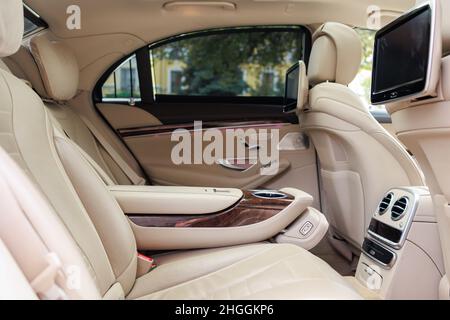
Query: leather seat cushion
point(257, 271)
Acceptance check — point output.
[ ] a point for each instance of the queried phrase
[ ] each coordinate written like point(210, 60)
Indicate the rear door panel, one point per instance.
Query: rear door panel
point(152, 146)
point(223, 94)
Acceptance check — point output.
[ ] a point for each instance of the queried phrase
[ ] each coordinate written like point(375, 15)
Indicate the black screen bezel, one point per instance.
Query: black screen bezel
point(288, 106)
point(408, 89)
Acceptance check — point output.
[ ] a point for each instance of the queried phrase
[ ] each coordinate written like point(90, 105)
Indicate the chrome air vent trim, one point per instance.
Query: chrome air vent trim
point(385, 203)
point(399, 208)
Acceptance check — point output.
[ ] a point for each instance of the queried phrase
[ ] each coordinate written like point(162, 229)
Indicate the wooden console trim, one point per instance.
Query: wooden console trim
point(249, 210)
point(169, 129)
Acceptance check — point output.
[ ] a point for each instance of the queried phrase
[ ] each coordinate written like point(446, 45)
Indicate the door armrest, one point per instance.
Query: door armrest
point(146, 200)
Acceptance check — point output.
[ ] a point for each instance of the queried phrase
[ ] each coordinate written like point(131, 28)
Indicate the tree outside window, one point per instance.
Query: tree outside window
point(362, 83)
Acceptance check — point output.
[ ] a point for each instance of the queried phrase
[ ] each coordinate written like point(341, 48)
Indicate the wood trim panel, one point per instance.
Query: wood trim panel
point(249, 210)
point(168, 129)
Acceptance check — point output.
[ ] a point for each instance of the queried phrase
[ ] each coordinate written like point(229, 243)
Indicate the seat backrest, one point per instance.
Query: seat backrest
point(32, 234)
point(360, 160)
point(52, 70)
point(424, 127)
point(77, 194)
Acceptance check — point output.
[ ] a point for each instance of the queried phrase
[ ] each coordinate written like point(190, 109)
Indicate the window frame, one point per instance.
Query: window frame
point(131, 97)
point(146, 79)
point(35, 18)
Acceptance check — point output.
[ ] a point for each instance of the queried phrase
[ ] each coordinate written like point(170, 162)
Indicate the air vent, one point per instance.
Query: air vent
point(385, 203)
point(399, 208)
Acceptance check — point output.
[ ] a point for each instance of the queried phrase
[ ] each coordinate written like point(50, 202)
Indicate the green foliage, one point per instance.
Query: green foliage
point(367, 40)
point(362, 84)
point(214, 63)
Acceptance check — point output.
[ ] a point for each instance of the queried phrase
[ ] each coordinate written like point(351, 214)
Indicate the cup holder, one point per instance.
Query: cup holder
point(268, 194)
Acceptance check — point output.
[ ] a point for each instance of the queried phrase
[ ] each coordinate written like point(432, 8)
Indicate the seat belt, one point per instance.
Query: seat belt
point(103, 175)
point(123, 165)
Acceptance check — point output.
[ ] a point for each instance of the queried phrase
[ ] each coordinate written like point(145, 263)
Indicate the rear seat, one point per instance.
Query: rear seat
point(55, 63)
point(38, 257)
point(99, 231)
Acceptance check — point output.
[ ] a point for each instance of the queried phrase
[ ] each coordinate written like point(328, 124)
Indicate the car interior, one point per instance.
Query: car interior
point(97, 98)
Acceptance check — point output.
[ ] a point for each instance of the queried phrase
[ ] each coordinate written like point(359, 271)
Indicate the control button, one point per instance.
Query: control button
point(306, 228)
point(369, 271)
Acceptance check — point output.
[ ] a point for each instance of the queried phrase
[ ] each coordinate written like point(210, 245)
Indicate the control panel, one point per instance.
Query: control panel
point(393, 217)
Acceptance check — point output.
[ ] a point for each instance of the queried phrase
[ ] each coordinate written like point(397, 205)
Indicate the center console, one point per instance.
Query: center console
point(166, 218)
point(401, 251)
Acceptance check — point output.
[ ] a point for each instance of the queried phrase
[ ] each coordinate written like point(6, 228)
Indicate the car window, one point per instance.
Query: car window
point(29, 26)
point(233, 63)
point(32, 21)
point(362, 83)
point(123, 82)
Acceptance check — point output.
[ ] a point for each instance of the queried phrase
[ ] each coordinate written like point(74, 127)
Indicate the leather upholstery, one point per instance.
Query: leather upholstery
point(103, 235)
point(11, 27)
point(360, 160)
point(424, 127)
point(23, 66)
point(260, 271)
point(30, 230)
point(4, 66)
point(335, 54)
point(58, 66)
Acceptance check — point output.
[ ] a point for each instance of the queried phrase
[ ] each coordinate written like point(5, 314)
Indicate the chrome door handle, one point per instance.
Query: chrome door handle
point(252, 147)
point(226, 163)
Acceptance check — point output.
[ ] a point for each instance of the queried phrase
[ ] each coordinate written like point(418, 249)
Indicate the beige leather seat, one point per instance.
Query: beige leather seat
point(360, 161)
point(52, 70)
point(102, 233)
point(424, 127)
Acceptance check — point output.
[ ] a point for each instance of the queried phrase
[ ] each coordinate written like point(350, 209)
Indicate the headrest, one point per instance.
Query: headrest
point(58, 67)
point(335, 55)
point(23, 66)
point(11, 26)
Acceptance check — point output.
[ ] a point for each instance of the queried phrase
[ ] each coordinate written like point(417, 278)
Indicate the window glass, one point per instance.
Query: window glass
point(239, 62)
point(362, 83)
point(123, 83)
point(32, 21)
point(29, 26)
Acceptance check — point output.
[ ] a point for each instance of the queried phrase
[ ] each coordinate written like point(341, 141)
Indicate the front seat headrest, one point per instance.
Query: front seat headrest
point(336, 54)
point(58, 67)
point(11, 26)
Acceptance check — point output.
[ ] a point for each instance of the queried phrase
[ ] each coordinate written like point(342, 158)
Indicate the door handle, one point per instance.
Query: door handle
point(251, 147)
point(233, 164)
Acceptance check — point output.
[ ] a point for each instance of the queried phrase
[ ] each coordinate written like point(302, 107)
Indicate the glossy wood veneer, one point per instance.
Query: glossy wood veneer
point(249, 210)
point(169, 129)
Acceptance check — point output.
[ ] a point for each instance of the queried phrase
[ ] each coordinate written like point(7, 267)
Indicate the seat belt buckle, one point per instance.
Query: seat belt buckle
point(45, 284)
point(145, 264)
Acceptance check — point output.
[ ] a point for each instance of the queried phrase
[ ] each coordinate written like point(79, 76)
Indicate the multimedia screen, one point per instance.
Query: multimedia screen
point(401, 56)
point(291, 90)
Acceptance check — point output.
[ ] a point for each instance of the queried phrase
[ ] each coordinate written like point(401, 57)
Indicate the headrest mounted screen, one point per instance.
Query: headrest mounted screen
point(403, 56)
